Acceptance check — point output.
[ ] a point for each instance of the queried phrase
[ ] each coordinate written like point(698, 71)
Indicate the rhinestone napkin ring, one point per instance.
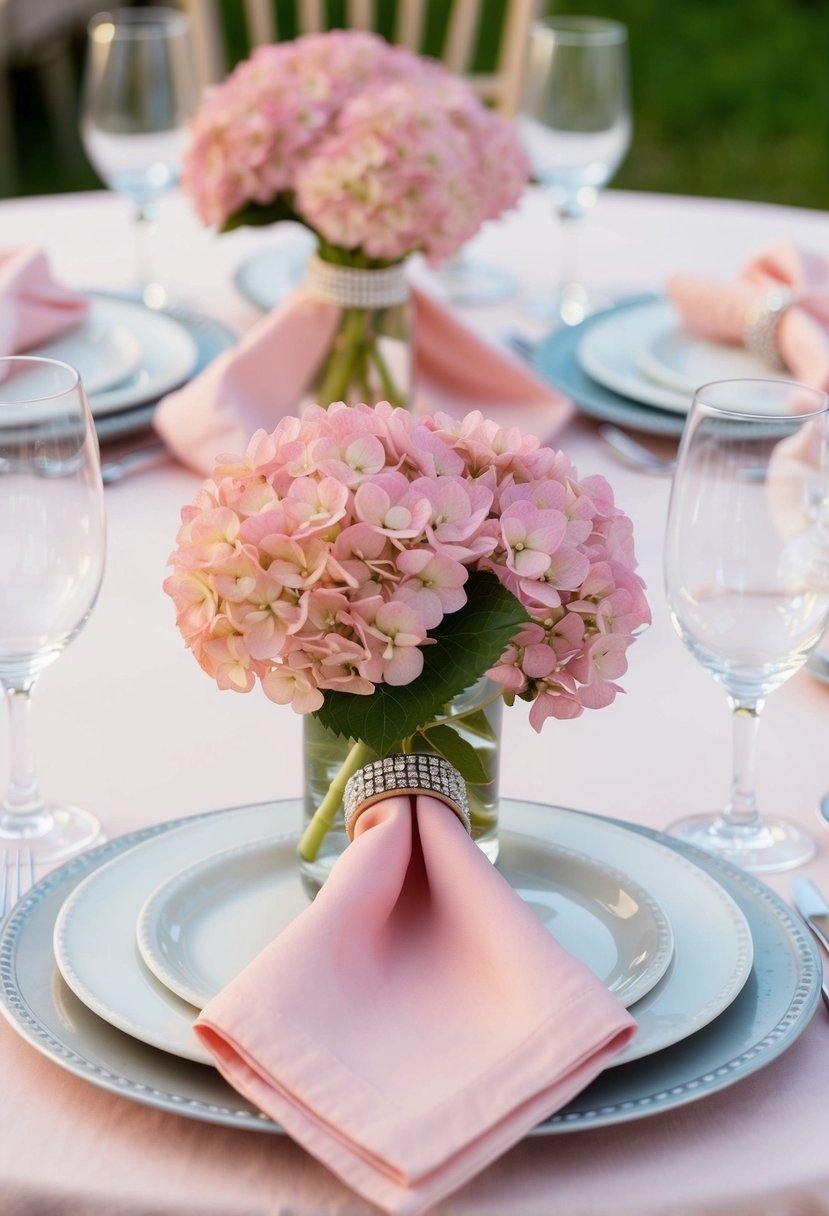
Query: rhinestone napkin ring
point(760, 329)
point(409, 773)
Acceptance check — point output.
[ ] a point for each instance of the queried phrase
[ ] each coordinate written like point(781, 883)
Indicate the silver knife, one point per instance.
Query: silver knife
point(815, 911)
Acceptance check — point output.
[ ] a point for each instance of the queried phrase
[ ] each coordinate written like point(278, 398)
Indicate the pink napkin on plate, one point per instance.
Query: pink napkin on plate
point(416, 1020)
point(33, 308)
point(265, 375)
point(719, 310)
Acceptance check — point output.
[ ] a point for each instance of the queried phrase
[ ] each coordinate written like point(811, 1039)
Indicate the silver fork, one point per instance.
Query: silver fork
point(635, 453)
point(18, 875)
point(117, 467)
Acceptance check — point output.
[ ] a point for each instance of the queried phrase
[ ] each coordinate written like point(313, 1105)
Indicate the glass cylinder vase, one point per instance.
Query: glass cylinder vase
point(370, 355)
point(476, 716)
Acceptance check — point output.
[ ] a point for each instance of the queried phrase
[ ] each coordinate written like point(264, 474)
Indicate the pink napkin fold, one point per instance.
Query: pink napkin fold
point(33, 308)
point(265, 375)
point(416, 1020)
point(718, 310)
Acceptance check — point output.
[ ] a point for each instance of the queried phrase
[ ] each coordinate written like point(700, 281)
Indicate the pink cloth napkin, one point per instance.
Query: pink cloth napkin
point(416, 1020)
point(265, 375)
point(33, 308)
point(717, 310)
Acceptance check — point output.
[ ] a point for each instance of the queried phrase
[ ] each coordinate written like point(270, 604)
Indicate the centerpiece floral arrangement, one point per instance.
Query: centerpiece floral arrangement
point(380, 152)
point(366, 565)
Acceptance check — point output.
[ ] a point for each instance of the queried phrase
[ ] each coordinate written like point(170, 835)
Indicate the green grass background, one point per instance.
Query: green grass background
point(731, 97)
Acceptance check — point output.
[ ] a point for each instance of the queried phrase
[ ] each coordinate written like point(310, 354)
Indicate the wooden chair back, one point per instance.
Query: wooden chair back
point(501, 86)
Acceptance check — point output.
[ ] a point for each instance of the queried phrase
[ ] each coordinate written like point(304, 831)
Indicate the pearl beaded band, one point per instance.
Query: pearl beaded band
point(411, 773)
point(349, 287)
point(760, 328)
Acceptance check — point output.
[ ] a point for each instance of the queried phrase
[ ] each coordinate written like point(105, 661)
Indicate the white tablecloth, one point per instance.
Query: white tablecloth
point(127, 725)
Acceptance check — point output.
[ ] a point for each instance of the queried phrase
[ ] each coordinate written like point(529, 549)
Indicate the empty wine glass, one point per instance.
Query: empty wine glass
point(747, 577)
point(139, 91)
point(575, 125)
point(52, 541)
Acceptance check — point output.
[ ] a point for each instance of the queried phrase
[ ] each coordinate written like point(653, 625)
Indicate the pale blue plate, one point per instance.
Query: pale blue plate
point(555, 360)
point(266, 278)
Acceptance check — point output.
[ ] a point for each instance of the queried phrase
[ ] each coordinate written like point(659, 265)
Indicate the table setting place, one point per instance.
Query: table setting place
point(407, 971)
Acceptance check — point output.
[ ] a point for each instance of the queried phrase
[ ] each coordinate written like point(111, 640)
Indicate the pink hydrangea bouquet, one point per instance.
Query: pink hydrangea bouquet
point(381, 153)
point(366, 566)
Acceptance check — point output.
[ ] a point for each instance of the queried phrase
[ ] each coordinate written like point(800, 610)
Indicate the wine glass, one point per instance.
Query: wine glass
point(52, 541)
point(747, 577)
point(139, 90)
point(575, 124)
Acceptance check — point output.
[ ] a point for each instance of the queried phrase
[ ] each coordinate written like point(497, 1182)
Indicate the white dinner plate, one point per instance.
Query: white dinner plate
point(609, 349)
point(765, 1019)
point(641, 351)
point(167, 354)
point(200, 929)
point(102, 349)
point(97, 953)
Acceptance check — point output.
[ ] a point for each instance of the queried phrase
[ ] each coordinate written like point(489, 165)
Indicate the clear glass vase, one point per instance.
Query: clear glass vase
point(475, 714)
point(370, 356)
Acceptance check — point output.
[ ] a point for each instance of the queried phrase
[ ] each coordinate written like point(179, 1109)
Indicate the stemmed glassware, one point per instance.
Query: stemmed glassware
point(52, 543)
point(139, 91)
point(575, 124)
point(747, 577)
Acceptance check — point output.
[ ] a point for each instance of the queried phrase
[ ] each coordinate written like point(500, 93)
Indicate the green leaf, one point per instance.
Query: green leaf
point(477, 723)
point(256, 215)
point(466, 644)
point(449, 744)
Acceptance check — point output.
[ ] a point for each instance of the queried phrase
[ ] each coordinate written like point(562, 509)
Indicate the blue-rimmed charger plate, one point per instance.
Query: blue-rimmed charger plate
point(556, 360)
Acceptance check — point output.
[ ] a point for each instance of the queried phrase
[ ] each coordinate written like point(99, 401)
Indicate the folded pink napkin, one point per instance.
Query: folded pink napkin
point(33, 308)
point(265, 375)
point(416, 1020)
point(720, 311)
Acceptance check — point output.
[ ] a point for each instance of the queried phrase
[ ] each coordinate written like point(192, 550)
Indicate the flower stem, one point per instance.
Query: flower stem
point(323, 818)
point(339, 370)
point(390, 390)
point(466, 713)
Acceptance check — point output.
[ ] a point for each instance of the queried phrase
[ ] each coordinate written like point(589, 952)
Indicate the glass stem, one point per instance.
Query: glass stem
point(23, 810)
point(741, 811)
point(568, 271)
point(144, 226)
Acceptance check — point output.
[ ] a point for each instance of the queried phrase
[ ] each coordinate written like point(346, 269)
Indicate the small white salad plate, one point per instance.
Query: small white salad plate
point(126, 354)
point(642, 352)
point(679, 360)
point(102, 349)
point(200, 929)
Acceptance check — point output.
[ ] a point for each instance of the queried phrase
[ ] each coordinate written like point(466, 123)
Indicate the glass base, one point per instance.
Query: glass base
point(773, 846)
point(817, 665)
point(67, 831)
point(567, 306)
point(467, 281)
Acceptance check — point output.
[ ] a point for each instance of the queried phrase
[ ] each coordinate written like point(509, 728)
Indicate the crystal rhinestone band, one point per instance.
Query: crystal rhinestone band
point(410, 773)
point(349, 287)
point(760, 328)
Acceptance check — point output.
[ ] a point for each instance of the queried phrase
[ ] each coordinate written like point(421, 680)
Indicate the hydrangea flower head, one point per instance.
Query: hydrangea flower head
point(322, 557)
point(376, 149)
